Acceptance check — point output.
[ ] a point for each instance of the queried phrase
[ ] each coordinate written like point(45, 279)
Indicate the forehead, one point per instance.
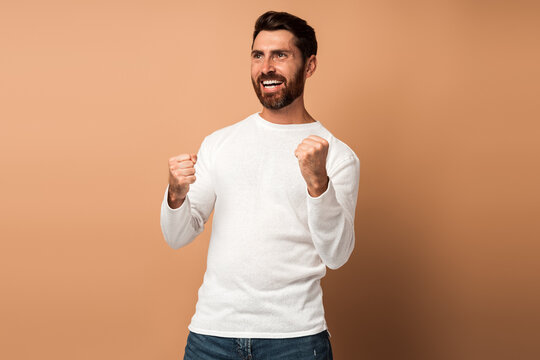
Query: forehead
point(277, 39)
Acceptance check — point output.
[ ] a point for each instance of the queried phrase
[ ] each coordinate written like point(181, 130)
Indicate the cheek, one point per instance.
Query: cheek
point(255, 68)
point(287, 71)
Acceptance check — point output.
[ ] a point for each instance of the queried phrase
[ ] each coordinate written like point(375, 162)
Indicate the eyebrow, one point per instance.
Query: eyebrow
point(273, 52)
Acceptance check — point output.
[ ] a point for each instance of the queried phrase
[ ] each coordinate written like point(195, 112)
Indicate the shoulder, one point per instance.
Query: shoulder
point(216, 138)
point(338, 151)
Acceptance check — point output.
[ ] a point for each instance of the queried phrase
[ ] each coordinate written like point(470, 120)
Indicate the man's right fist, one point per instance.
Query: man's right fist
point(181, 174)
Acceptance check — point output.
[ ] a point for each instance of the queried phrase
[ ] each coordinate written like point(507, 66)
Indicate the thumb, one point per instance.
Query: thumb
point(194, 158)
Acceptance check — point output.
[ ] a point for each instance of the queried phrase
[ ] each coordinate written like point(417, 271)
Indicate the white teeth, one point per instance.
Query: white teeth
point(271, 82)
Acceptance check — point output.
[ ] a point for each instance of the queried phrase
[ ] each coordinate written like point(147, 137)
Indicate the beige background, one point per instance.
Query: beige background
point(439, 99)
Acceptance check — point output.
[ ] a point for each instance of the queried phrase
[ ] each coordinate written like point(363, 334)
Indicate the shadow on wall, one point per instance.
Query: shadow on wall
point(393, 298)
point(385, 303)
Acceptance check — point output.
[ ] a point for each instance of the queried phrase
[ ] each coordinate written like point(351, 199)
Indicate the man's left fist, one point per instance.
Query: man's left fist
point(311, 155)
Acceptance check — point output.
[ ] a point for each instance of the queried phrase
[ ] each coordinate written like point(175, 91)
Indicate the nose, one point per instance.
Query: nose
point(268, 65)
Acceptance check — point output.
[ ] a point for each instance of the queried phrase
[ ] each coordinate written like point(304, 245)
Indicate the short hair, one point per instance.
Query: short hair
point(304, 34)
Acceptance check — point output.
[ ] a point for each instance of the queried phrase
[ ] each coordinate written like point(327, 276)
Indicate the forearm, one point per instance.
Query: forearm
point(332, 228)
point(178, 225)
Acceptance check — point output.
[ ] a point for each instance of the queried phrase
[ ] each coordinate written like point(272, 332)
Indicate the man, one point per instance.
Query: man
point(284, 191)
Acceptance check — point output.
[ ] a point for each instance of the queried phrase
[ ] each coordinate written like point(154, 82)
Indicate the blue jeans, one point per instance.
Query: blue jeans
point(207, 347)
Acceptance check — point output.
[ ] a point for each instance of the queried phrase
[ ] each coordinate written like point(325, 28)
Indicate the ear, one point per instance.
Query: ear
point(311, 65)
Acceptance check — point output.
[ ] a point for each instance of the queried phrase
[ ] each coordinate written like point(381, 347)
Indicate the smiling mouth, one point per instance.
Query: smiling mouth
point(270, 84)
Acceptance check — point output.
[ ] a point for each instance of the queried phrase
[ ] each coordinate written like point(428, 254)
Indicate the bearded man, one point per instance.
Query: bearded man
point(283, 190)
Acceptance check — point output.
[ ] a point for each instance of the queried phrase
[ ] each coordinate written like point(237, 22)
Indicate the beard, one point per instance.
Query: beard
point(291, 90)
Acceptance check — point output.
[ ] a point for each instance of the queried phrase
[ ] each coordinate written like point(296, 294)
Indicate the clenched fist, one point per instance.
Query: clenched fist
point(181, 174)
point(311, 155)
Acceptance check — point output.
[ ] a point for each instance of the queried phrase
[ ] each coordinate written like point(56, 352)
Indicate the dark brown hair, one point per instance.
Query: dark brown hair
point(304, 34)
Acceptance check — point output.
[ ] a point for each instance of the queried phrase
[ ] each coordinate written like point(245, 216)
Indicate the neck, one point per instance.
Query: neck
point(295, 113)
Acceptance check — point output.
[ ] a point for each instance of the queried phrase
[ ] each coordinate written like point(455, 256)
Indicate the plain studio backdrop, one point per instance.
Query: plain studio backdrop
point(439, 99)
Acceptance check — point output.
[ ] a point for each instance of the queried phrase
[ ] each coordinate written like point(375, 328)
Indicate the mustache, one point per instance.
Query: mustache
point(264, 77)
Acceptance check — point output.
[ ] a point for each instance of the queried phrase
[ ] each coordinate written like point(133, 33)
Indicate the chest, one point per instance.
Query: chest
point(260, 170)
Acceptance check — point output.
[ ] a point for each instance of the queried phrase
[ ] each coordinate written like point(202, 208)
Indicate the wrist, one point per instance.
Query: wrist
point(316, 189)
point(174, 200)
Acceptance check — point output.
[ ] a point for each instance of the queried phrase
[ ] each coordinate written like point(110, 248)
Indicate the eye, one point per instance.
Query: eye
point(282, 55)
point(257, 55)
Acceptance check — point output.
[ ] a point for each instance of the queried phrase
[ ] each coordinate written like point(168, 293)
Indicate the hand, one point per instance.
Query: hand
point(181, 175)
point(311, 155)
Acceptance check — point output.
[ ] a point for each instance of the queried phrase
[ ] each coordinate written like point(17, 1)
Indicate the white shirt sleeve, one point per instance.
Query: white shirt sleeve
point(180, 226)
point(331, 215)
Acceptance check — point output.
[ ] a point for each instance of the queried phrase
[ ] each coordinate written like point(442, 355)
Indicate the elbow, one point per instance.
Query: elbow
point(172, 240)
point(179, 239)
point(334, 266)
point(173, 243)
point(179, 236)
point(342, 250)
point(337, 263)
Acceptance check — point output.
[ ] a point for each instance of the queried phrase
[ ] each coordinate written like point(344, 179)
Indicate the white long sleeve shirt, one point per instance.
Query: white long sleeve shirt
point(271, 241)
